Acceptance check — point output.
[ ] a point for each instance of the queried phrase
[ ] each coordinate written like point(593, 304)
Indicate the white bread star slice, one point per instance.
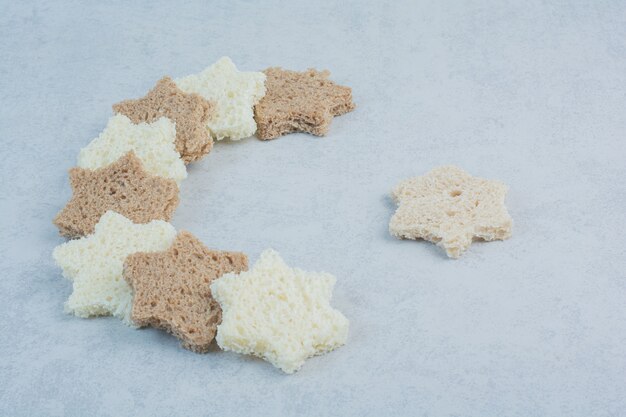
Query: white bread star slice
point(95, 263)
point(153, 143)
point(235, 92)
point(451, 208)
point(278, 313)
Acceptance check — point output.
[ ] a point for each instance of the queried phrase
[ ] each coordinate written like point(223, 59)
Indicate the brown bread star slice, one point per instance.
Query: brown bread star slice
point(300, 102)
point(172, 289)
point(190, 112)
point(123, 186)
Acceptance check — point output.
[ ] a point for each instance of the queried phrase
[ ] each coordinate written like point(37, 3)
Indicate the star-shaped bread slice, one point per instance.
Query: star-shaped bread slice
point(451, 208)
point(152, 143)
point(172, 289)
point(278, 313)
point(300, 102)
point(190, 112)
point(95, 263)
point(235, 92)
point(123, 186)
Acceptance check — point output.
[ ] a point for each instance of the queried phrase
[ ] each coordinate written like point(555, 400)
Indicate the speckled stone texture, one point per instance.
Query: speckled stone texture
point(531, 93)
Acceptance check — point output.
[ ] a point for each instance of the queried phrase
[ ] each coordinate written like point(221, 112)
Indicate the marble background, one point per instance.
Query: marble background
point(528, 92)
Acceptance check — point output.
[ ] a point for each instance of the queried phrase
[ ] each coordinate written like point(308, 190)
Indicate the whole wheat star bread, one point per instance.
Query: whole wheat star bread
point(190, 112)
point(124, 187)
point(300, 102)
point(172, 289)
point(451, 208)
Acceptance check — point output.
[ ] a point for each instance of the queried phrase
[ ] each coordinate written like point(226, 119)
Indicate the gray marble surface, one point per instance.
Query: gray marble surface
point(531, 93)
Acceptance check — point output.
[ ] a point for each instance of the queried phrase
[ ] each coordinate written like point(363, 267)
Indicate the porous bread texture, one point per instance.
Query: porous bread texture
point(95, 263)
point(278, 313)
point(152, 143)
point(122, 186)
point(235, 93)
point(300, 102)
point(172, 289)
point(449, 207)
point(190, 113)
